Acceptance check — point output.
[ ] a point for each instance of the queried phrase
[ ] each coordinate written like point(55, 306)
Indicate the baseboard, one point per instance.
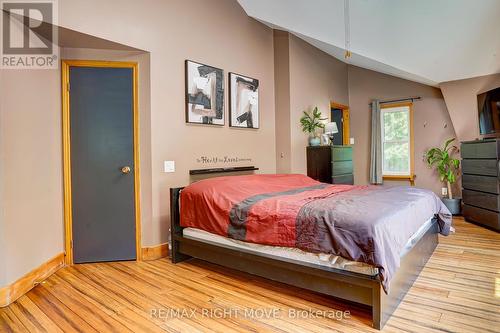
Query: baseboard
point(12, 292)
point(155, 252)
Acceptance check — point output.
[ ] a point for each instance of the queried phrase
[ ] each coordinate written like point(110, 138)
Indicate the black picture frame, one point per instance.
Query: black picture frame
point(219, 97)
point(233, 119)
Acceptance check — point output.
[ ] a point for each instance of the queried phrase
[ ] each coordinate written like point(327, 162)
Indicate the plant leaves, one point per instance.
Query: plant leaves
point(311, 121)
point(446, 166)
point(447, 143)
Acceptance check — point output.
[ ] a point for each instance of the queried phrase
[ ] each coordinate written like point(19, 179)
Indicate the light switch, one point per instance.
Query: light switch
point(169, 166)
point(351, 141)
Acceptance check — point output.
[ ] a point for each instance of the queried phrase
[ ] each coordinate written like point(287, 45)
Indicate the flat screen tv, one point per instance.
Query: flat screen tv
point(489, 112)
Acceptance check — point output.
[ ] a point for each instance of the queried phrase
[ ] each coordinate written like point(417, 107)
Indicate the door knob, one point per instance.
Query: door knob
point(126, 169)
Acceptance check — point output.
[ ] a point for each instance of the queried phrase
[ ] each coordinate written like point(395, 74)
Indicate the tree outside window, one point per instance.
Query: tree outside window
point(396, 140)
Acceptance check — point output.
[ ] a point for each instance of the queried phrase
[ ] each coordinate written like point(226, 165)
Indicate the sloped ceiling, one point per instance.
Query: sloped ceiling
point(427, 41)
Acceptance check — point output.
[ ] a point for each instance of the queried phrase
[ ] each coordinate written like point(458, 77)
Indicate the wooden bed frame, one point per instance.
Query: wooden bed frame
point(350, 286)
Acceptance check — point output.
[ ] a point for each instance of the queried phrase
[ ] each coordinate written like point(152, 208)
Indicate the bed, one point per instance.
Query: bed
point(364, 244)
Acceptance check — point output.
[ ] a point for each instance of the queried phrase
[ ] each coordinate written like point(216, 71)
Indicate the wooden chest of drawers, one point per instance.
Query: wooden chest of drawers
point(330, 164)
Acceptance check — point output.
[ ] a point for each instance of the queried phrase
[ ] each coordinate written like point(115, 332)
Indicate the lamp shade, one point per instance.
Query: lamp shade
point(331, 128)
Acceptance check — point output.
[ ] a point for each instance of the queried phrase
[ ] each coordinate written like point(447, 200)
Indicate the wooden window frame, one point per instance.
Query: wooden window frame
point(410, 177)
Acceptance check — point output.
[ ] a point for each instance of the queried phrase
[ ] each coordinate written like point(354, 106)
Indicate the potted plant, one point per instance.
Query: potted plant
point(310, 123)
point(447, 168)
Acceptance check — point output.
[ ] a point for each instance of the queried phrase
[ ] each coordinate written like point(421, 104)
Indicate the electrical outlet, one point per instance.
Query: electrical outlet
point(168, 166)
point(444, 191)
point(351, 141)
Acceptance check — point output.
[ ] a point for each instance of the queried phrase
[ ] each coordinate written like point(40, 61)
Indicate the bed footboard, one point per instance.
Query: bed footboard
point(411, 266)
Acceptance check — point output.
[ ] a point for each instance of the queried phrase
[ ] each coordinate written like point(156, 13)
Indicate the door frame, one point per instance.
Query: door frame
point(345, 120)
point(66, 134)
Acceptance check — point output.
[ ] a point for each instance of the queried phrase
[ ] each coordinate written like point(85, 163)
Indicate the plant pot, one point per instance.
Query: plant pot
point(314, 141)
point(454, 205)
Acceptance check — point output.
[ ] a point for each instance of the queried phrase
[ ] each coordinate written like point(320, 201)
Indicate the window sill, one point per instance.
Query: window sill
point(410, 178)
point(399, 177)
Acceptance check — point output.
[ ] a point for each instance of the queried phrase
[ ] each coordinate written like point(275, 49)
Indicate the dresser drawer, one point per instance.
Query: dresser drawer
point(482, 216)
point(343, 179)
point(480, 183)
point(341, 153)
point(481, 199)
point(480, 167)
point(341, 168)
point(479, 150)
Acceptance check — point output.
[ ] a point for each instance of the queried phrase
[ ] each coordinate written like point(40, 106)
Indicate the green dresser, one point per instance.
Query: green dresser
point(342, 167)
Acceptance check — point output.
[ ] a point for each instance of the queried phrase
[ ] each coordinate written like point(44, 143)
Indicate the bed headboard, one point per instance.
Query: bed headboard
point(175, 225)
point(175, 193)
point(222, 170)
point(175, 221)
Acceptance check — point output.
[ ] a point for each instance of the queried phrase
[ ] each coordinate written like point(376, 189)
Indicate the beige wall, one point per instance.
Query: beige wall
point(31, 145)
point(282, 101)
point(173, 31)
point(3, 264)
point(314, 79)
point(461, 100)
point(220, 35)
point(30, 140)
point(216, 32)
point(432, 124)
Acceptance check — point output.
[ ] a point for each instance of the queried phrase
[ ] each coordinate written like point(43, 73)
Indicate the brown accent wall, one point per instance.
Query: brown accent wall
point(3, 265)
point(461, 100)
point(31, 176)
point(282, 101)
point(432, 123)
point(314, 78)
point(221, 35)
point(216, 32)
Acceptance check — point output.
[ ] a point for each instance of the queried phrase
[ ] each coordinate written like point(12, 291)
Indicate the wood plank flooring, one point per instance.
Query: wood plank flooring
point(458, 291)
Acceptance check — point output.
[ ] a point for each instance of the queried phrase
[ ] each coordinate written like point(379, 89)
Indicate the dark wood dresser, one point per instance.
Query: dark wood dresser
point(480, 182)
point(330, 164)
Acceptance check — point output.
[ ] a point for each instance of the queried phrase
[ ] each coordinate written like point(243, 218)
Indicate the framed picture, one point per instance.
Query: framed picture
point(204, 94)
point(243, 101)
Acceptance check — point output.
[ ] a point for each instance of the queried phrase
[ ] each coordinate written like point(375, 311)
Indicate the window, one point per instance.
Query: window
point(397, 141)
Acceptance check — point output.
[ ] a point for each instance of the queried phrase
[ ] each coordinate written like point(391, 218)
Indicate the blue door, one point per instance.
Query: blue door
point(102, 163)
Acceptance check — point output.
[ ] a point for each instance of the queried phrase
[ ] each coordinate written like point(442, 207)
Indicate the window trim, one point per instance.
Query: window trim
point(410, 176)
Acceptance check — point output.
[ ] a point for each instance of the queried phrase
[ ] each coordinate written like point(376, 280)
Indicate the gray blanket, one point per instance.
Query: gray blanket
point(370, 224)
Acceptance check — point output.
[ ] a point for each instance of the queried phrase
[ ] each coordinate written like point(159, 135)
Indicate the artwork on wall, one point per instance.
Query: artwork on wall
point(204, 94)
point(243, 101)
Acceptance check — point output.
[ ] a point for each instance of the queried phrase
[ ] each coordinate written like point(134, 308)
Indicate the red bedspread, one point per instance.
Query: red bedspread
point(256, 208)
point(371, 224)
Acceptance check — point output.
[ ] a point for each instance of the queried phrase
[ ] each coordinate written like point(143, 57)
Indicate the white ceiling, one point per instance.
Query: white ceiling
point(428, 41)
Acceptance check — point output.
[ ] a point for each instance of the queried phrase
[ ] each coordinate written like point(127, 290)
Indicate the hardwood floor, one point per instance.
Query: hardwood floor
point(458, 291)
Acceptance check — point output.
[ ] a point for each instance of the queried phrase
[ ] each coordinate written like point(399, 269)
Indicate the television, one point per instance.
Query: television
point(488, 104)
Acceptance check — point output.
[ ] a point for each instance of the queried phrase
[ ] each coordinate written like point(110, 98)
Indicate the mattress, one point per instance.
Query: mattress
point(321, 259)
